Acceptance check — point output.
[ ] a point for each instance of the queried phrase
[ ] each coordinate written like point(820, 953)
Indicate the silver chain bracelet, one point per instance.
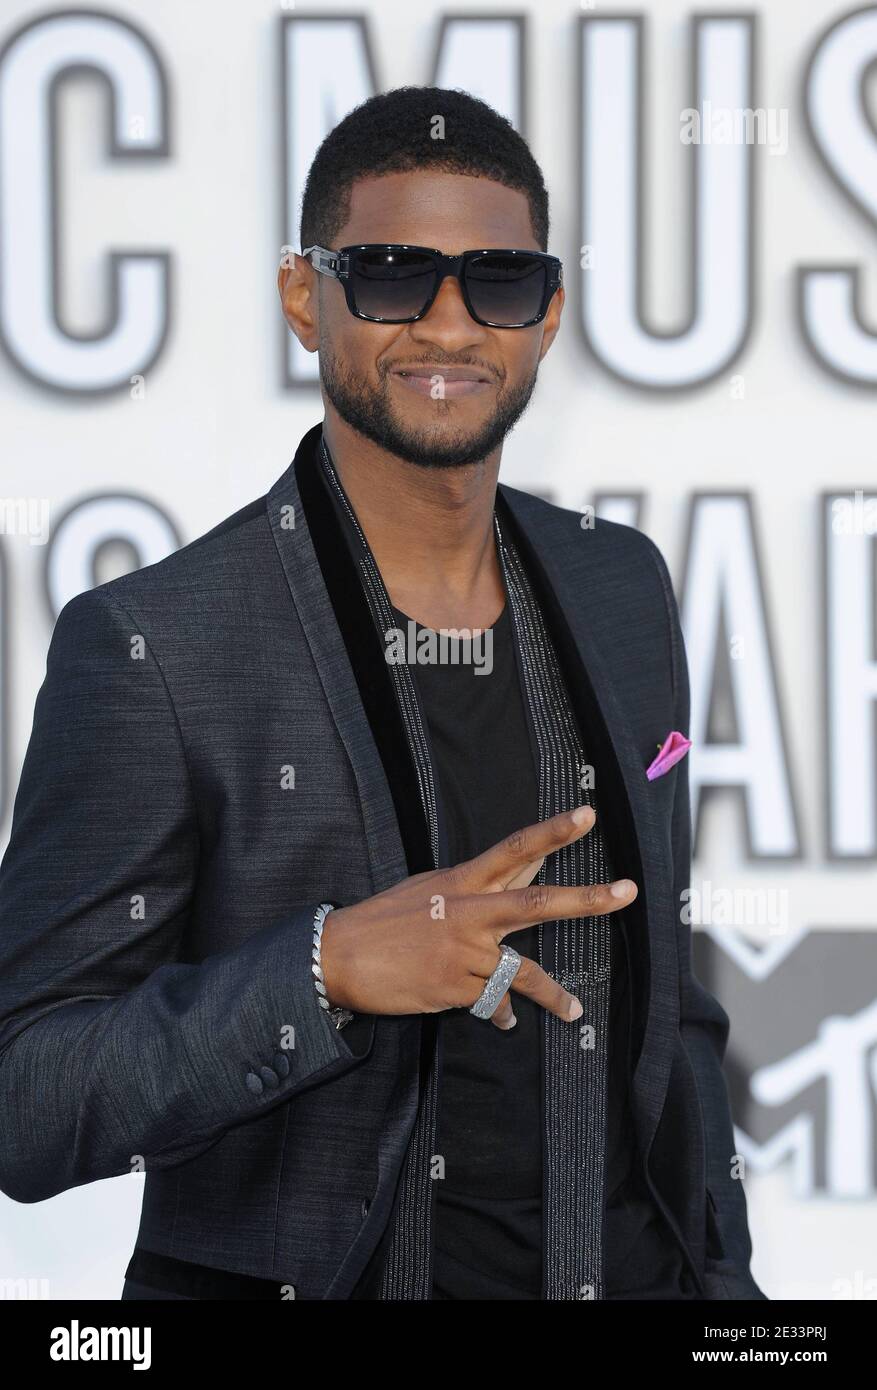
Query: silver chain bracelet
point(339, 1016)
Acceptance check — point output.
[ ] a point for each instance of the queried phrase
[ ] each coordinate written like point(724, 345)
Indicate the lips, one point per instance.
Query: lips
point(439, 383)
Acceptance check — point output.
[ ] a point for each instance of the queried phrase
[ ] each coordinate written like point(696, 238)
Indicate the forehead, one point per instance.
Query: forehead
point(451, 212)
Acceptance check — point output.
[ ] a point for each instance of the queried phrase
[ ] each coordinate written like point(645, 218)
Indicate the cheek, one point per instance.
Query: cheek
point(519, 353)
point(358, 347)
point(338, 326)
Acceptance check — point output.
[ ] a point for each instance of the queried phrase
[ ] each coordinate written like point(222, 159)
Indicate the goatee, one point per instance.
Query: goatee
point(369, 410)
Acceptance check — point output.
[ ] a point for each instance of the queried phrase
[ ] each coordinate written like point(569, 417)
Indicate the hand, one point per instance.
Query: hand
point(431, 941)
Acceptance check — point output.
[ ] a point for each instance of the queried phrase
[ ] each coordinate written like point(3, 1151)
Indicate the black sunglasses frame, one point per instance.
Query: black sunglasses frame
point(339, 265)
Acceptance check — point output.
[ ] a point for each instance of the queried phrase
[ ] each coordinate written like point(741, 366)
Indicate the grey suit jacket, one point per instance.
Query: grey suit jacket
point(203, 771)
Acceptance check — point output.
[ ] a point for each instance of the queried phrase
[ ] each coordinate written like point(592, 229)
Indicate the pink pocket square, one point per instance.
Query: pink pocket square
point(674, 747)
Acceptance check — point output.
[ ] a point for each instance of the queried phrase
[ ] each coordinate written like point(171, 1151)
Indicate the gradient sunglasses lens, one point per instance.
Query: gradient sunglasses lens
point(506, 291)
point(392, 285)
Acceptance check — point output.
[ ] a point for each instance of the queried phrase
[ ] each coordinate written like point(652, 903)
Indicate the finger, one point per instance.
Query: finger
point(543, 902)
point(532, 981)
point(504, 1015)
point(501, 863)
point(481, 964)
point(516, 908)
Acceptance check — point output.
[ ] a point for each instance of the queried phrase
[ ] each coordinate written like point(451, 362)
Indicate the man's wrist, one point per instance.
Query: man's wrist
point(340, 1017)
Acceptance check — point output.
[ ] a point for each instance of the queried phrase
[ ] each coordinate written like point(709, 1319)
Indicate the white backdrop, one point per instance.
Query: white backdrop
point(722, 400)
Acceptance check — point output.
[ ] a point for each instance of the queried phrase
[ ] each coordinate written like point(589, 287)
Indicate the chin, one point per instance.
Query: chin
point(435, 451)
point(442, 439)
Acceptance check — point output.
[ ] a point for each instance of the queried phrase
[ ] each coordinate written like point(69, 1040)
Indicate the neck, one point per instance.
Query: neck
point(429, 529)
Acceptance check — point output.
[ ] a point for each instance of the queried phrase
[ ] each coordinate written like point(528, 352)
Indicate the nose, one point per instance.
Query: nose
point(448, 323)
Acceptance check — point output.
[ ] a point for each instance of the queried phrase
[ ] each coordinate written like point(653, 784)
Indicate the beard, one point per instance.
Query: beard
point(369, 410)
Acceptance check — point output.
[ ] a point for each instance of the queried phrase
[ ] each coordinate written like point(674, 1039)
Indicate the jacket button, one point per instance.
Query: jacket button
point(280, 1064)
point(365, 1206)
point(254, 1083)
point(270, 1078)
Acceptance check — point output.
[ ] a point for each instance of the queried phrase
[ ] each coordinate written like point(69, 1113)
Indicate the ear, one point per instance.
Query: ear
point(299, 298)
point(551, 322)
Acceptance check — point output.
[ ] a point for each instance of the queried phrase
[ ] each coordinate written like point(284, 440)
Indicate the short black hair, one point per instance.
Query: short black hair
point(393, 132)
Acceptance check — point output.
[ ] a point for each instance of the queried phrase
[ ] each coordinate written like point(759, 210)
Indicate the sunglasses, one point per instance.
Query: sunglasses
point(393, 283)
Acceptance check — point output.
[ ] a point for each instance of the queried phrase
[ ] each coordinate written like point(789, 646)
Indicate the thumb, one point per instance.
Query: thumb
point(527, 874)
point(503, 1016)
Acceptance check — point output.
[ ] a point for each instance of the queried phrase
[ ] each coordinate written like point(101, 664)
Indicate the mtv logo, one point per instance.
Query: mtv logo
point(802, 1054)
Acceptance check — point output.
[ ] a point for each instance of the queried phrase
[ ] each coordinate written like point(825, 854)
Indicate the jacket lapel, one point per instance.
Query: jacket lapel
point(580, 588)
point(332, 609)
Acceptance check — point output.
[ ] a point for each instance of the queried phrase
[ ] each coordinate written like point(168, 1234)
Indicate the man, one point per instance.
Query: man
point(263, 868)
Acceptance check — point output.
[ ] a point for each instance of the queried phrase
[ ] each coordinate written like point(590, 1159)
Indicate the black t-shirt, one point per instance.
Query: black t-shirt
point(487, 1226)
point(488, 1214)
point(488, 788)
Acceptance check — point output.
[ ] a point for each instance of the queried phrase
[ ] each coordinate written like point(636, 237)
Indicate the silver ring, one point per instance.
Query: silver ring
point(494, 988)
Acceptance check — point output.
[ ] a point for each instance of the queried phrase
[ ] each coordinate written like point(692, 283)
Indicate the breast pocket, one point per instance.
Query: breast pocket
point(662, 793)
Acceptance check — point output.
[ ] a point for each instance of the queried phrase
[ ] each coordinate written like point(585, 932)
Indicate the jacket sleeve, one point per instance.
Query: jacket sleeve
point(116, 1054)
point(704, 1026)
